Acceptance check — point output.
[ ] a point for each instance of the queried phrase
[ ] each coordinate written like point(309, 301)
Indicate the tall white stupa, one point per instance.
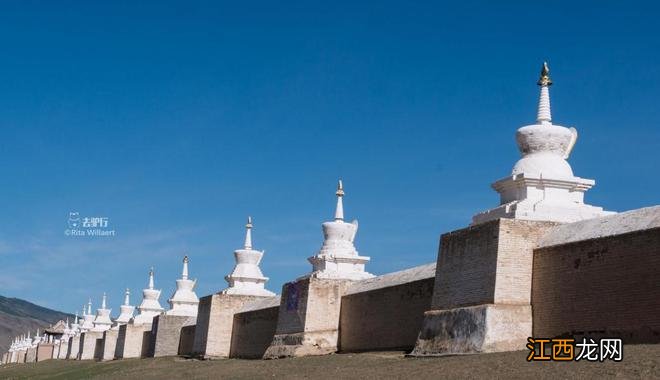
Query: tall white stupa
point(88, 318)
point(126, 310)
point(102, 321)
point(150, 306)
point(542, 185)
point(247, 278)
point(184, 301)
point(338, 258)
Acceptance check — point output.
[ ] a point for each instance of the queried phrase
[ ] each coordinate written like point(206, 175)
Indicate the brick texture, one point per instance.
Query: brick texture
point(486, 264)
point(253, 332)
point(386, 318)
point(601, 287)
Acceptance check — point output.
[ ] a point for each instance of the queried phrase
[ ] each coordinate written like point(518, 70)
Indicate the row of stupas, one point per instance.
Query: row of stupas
point(337, 259)
point(541, 187)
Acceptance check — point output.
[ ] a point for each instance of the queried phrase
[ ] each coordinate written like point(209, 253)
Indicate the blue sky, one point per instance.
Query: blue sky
point(176, 120)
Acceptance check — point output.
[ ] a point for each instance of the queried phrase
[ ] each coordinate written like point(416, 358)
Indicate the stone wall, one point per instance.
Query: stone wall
point(254, 328)
point(386, 312)
point(109, 344)
point(63, 349)
point(91, 343)
point(166, 334)
point(482, 290)
point(45, 351)
point(308, 318)
point(74, 347)
point(599, 278)
point(133, 341)
point(187, 339)
point(215, 321)
point(31, 355)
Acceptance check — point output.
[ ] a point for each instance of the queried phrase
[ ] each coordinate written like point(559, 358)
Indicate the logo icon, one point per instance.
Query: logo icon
point(74, 219)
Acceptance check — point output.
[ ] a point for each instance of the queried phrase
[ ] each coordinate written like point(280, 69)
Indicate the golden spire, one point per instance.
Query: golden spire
point(545, 80)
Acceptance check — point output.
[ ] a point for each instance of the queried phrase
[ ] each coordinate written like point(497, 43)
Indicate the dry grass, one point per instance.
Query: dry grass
point(642, 361)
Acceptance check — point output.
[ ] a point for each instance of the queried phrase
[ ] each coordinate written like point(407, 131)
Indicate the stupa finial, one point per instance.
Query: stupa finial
point(544, 114)
point(127, 295)
point(103, 301)
point(339, 211)
point(544, 79)
point(151, 278)
point(248, 233)
point(89, 306)
point(184, 272)
point(76, 319)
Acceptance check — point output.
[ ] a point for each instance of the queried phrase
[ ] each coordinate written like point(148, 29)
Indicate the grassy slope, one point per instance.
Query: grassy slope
point(639, 362)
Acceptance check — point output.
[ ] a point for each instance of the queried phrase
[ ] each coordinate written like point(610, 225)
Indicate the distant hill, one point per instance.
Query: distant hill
point(17, 316)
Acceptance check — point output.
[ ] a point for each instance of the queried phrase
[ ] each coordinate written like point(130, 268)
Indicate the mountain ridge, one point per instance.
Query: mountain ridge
point(18, 316)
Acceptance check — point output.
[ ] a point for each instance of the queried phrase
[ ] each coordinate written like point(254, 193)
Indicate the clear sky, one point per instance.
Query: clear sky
point(176, 120)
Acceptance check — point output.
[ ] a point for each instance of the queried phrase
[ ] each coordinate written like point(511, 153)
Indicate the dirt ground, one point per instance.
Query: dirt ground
point(642, 361)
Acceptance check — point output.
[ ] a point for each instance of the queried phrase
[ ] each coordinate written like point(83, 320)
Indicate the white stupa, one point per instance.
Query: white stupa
point(75, 327)
point(126, 310)
point(88, 318)
point(150, 306)
point(184, 301)
point(338, 258)
point(102, 321)
point(37, 339)
point(247, 278)
point(542, 185)
point(27, 342)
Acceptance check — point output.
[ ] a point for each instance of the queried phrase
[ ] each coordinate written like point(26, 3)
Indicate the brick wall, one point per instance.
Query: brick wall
point(253, 332)
point(385, 318)
point(599, 287)
point(487, 263)
point(215, 320)
point(187, 340)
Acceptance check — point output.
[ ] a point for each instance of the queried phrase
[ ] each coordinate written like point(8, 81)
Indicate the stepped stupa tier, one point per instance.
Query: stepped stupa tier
point(126, 310)
point(150, 306)
point(247, 278)
point(88, 318)
point(338, 258)
point(184, 301)
point(102, 321)
point(542, 185)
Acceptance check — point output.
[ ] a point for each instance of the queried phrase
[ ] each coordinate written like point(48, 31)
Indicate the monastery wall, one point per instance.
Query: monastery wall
point(482, 290)
point(109, 344)
point(45, 351)
point(386, 312)
point(74, 347)
point(133, 341)
point(254, 328)
point(91, 343)
point(308, 318)
point(166, 334)
point(215, 320)
point(599, 278)
point(187, 339)
point(31, 355)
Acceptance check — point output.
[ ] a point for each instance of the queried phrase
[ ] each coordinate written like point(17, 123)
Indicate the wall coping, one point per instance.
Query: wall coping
point(617, 224)
point(417, 273)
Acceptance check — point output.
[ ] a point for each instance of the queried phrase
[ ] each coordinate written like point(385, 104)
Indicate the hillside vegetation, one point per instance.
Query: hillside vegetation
point(17, 316)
